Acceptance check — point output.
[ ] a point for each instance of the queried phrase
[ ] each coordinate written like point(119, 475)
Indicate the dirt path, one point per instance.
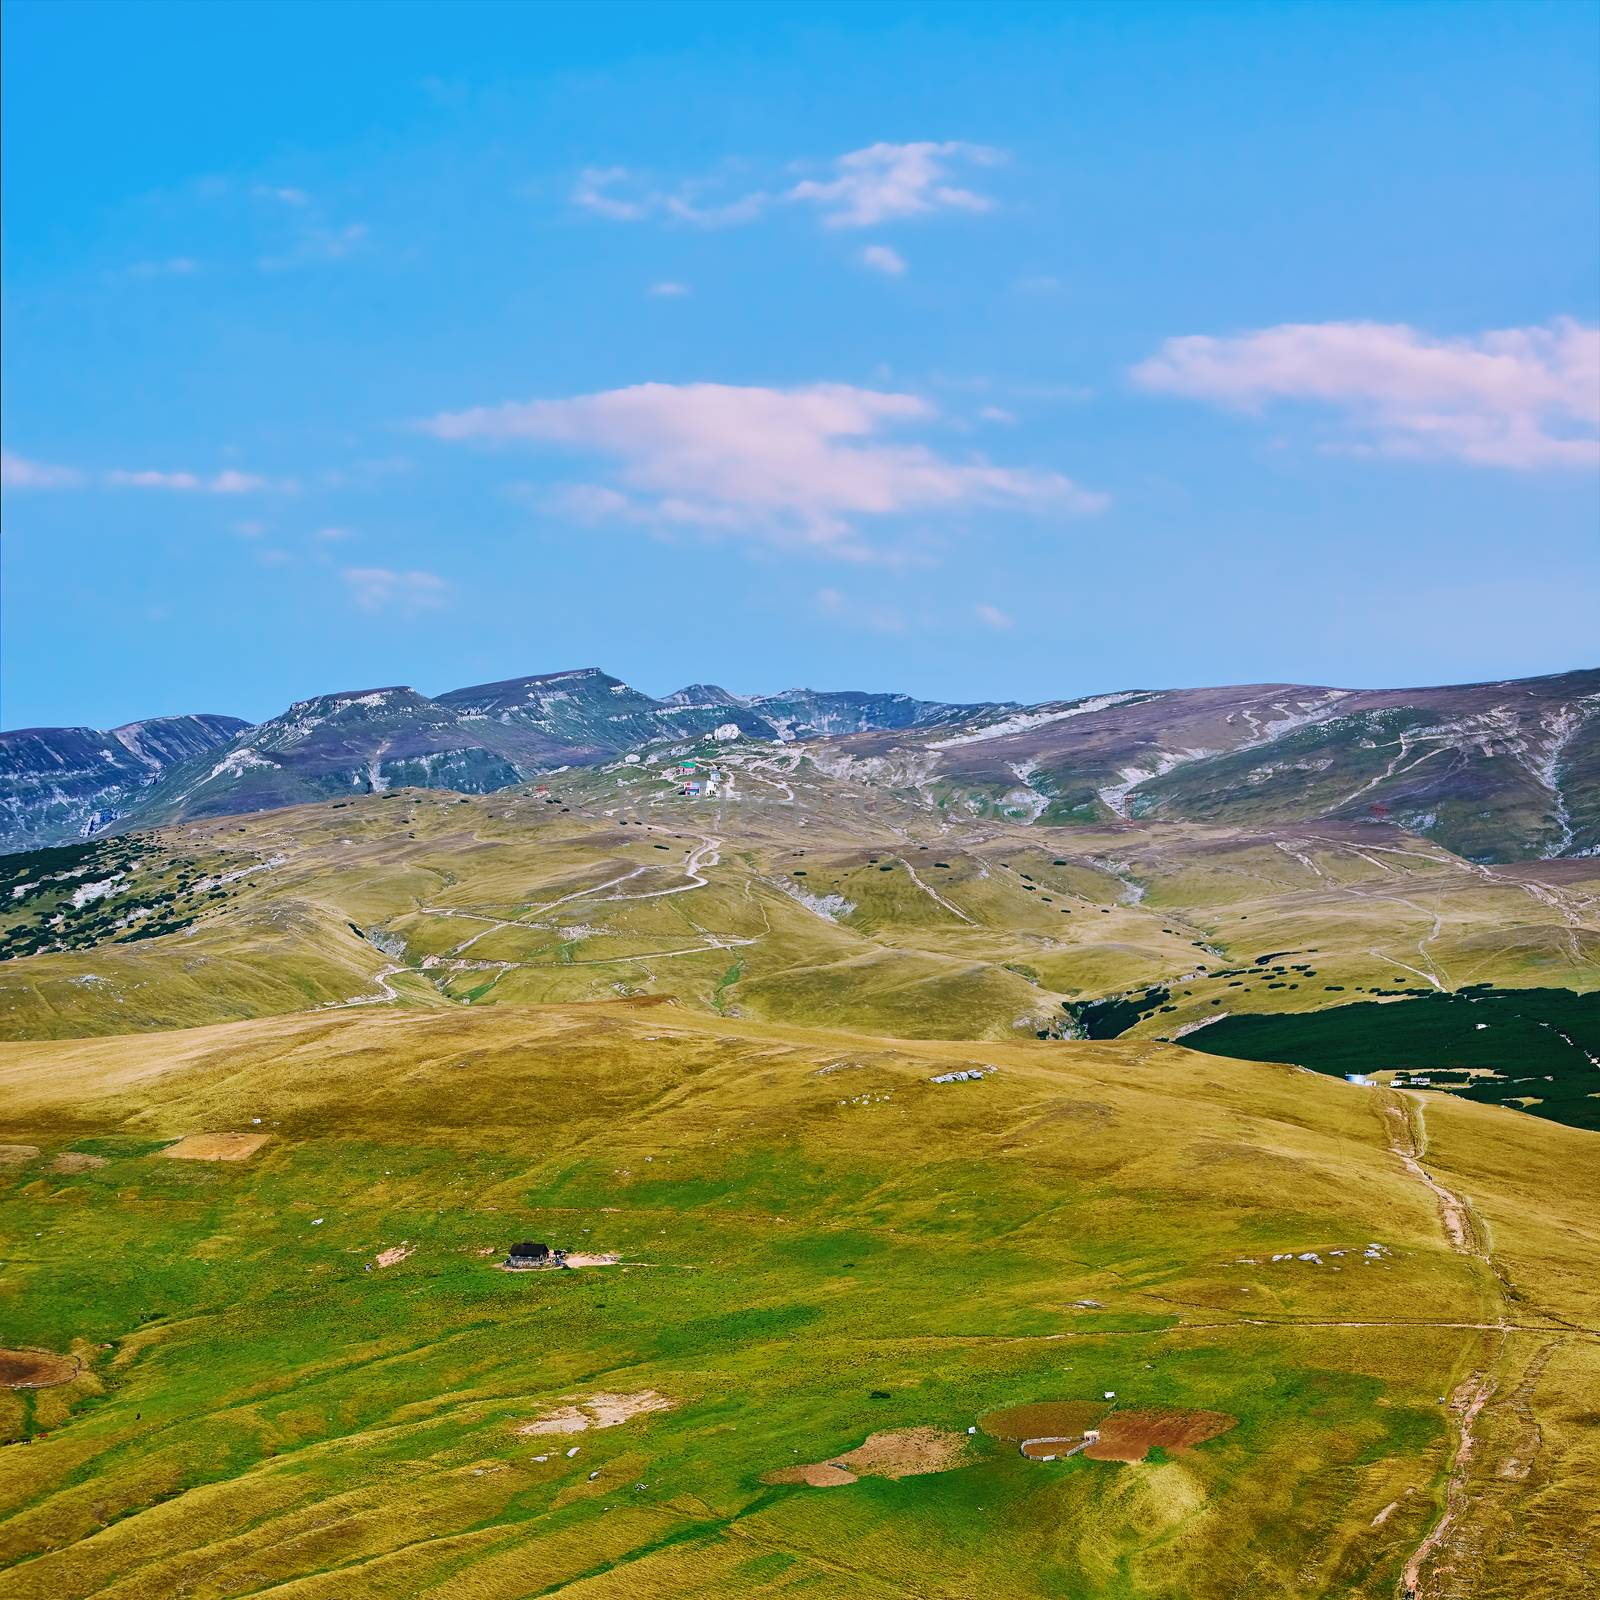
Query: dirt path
point(1470, 1397)
point(751, 770)
point(642, 956)
point(934, 894)
point(386, 990)
point(1406, 1130)
point(1407, 1135)
point(705, 854)
point(1276, 1324)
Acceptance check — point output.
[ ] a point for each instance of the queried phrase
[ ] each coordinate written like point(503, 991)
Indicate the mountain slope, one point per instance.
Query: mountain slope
point(63, 783)
point(587, 715)
point(1495, 771)
point(58, 784)
point(331, 747)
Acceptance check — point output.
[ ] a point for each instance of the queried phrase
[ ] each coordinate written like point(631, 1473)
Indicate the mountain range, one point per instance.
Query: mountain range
point(1495, 771)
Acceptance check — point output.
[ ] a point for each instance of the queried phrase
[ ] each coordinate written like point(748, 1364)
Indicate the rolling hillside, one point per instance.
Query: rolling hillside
point(867, 1118)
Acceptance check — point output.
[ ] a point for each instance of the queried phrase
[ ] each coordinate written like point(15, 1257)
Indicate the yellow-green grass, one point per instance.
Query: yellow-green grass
point(812, 1220)
point(507, 899)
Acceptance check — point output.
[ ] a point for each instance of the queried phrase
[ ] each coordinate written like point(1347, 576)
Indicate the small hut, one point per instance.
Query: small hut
point(528, 1255)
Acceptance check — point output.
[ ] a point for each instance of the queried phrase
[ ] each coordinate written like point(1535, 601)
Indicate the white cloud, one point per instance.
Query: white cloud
point(1511, 397)
point(879, 183)
point(668, 291)
point(381, 589)
point(287, 196)
point(993, 616)
point(792, 465)
point(887, 182)
point(333, 535)
point(996, 414)
point(18, 472)
point(881, 258)
point(227, 482)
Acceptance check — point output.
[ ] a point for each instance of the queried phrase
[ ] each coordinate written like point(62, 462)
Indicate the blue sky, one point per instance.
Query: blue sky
point(979, 351)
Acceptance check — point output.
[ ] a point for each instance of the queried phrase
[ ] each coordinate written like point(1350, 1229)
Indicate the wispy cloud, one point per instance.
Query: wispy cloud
point(317, 245)
point(298, 198)
point(172, 267)
point(881, 258)
point(860, 189)
point(798, 466)
point(19, 472)
point(594, 191)
point(992, 616)
point(383, 590)
point(227, 482)
point(668, 291)
point(887, 182)
point(622, 195)
point(1519, 398)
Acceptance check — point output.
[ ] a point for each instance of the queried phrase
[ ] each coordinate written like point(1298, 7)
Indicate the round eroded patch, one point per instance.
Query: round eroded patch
point(36, 1369)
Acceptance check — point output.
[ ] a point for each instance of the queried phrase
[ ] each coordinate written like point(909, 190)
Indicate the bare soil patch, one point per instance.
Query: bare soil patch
point(578, 1259)
point(395, 1254)
point(1129, 1435)
point(906, 1453)
point(36, 1369)
point(597, 1411)
point(216, 1146)
point(13, 1155)
point(895, 1453)
point(76, 1161)
point(819, 1474)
